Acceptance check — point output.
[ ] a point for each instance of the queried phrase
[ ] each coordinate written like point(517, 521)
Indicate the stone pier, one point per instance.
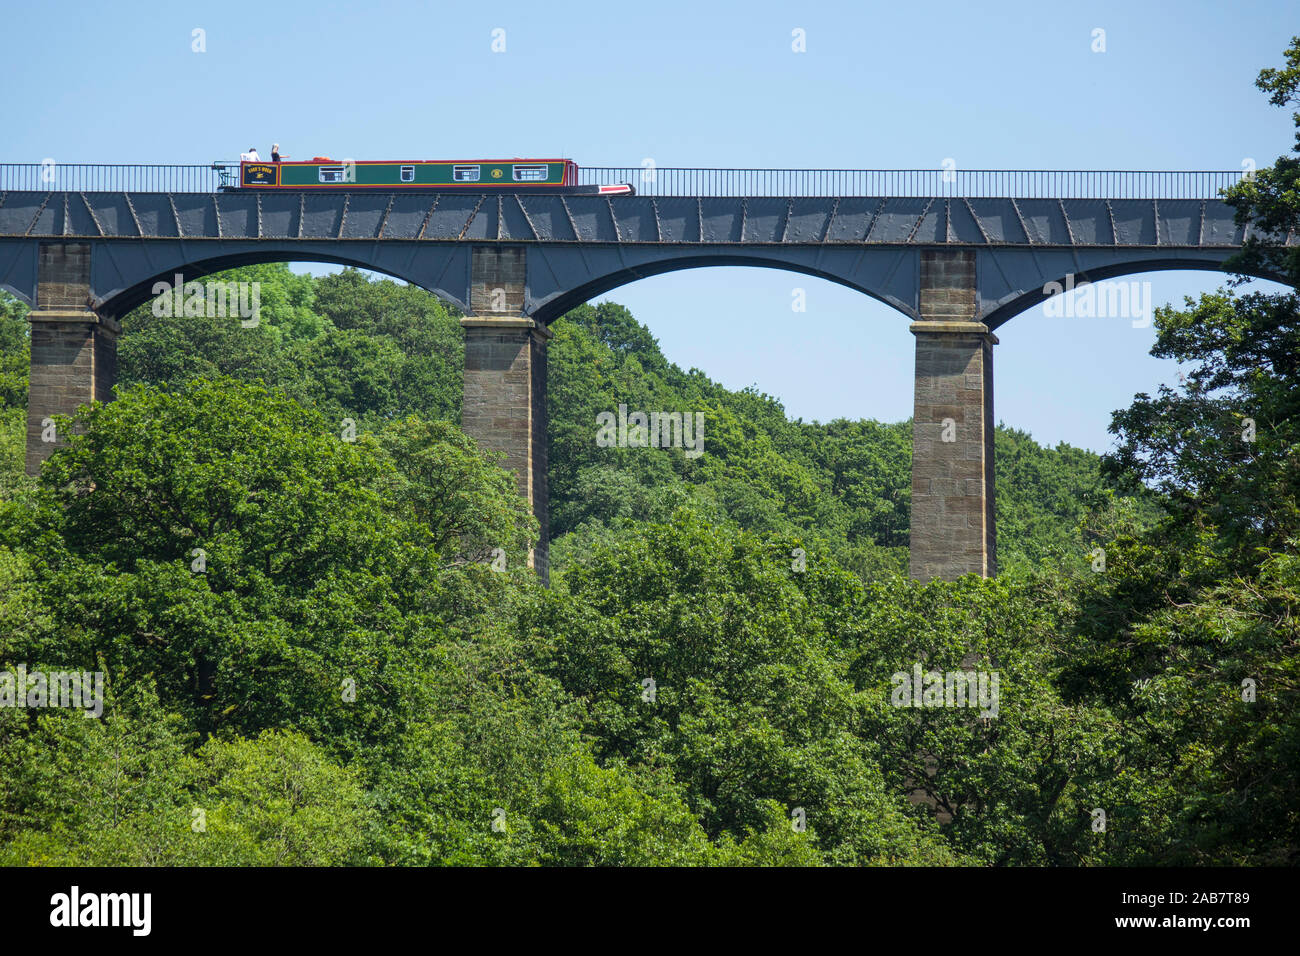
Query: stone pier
point(74, 350)
point(952, 426)
point(504, 405)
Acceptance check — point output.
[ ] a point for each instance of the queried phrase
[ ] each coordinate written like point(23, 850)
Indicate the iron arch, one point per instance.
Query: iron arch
point(997, 311)
point(123, 279)
point(885, 273)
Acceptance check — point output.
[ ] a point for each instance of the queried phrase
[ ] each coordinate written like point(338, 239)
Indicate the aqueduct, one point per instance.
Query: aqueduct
point(958, 259)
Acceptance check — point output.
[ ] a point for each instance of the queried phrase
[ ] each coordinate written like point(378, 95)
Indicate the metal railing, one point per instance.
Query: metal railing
point(682, 181)
point(104, 177)
point(970, 183)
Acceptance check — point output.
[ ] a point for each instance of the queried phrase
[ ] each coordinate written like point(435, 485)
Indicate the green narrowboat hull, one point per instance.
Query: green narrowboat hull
point(470, 175)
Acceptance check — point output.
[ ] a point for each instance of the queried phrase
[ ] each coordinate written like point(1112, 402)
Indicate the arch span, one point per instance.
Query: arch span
point(1010, 285)
point(123, 275)
point(558, 283)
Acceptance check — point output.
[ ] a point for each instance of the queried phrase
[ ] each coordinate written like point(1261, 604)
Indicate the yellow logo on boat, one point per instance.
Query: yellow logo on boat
point(259, 174)
point(496, 174)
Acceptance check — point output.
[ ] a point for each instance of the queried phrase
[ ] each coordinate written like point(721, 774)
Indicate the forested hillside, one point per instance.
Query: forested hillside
point(313, 655)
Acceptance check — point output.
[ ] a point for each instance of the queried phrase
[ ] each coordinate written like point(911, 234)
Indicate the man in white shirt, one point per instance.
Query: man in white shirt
point(250, 156)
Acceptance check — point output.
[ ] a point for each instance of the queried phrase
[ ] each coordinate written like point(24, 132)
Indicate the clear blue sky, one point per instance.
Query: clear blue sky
point(992, 85)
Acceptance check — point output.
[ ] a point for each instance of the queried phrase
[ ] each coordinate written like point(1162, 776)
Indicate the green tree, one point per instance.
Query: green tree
point(749, 702)
point(1189, 636)
point(124, 791)
point(231, 544)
